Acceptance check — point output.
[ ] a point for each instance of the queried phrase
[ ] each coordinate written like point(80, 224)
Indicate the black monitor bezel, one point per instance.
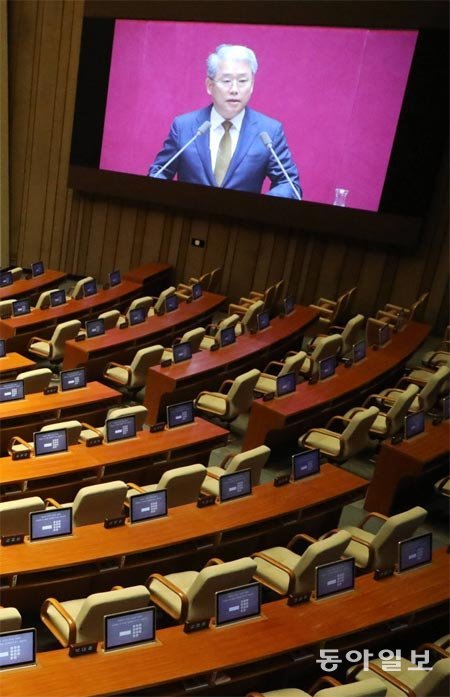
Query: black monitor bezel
point(198, 286)
point(293, 377)
point(17, 399)
point(14, 306)
point(385, 328)
point(50, 537)
point(8, 275)
point(87, 284)
point(324, 360)
point(218, 596)
point(358, 343)
point(23, 664)
point(136, 497)
point(2, 348)
point(406, 420)
point(225, 477)
point(59, 290)
point(300, 454)
point(174, 298)
point(227, 329)
point(148, 608)
point(131, 313)
point(179, 404)
point(339, 592)
point(286, 301)
point(176, 346)
point(36, 434)
point(120, 418)
point(264, 314)
point(90, 322)
point(33, 268)
point(111, 276)
point(63, 374)
point(401, 543)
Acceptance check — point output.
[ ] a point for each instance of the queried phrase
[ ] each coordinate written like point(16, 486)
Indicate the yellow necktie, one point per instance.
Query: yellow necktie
point(223, 154)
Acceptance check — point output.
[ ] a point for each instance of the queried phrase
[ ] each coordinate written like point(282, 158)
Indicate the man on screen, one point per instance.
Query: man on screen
point(231, 154)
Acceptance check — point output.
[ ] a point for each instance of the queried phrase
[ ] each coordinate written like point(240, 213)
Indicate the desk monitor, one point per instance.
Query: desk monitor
point(10, 391)
point(445, 405)
point(196, 291)
point(21, 307)
point(17, 649)
point(50, 442)
point(384, 334)
point(237, 604)
point(121, 428)
point(305, 464)
point(336, 577)
point(115, 278)
point(89, 288)
point(148, 506)
point(286, 384)
point(415, 551)
point(57, 297)
point(95, 327)
point(2, 348)
point(73, 379)
point(414, 424)
point(182, 351)
point(37, 268)
point(137, 316)
point(227, 336)
point(129, 628)
point(235, 485)
point(359, 351)
point(6, 278)
point(171, 303)
point(327, 367)
point(263, 320)
point(180, 414)
point(288, 304)
point(45, 525)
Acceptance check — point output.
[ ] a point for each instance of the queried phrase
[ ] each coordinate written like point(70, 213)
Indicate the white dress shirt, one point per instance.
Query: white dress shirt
point(217, 130)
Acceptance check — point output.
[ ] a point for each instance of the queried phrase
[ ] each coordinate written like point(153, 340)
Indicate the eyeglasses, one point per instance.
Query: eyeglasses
point(241, 82)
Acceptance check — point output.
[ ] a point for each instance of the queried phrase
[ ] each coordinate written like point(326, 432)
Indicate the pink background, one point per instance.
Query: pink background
point(338, 93)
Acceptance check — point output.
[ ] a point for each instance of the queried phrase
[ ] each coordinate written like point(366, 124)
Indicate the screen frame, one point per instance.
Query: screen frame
point(229, 343)
point(180, 404)
point(293, 377)
point(46, 433)
point(88, 284)
point(58, 290)
point(18, 399)
point(8, 275)
point(16, 302)
point(334, 593)
point(120, 418)
point(142, 313)
point(154, 517)
point(40, 265)
point(354, 349)
point(310, 474)
point(218, 596)
point(324, 360)
point(23, 664)
point(428, 535)
point(2, 348)
point(89, 323)
point(148, 608)
point(50, 537)
point(174, 348)
point(227, 476)
point(63, 373)
point(406, 420)
point(111, 276)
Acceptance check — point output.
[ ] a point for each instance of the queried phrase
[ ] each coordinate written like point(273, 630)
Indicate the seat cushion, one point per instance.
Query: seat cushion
point(274, 576)
point(118, 374)
point(73, 608)
point(41, 348)
point(328, 443)
point(266, 383)
point(380, 424)
point(210, 485)
point(206, 342)
point(408, 677)
point(212, 401)
point(159, 591)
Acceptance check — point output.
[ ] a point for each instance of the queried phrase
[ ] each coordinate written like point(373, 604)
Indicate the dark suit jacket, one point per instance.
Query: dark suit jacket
point(251, 161)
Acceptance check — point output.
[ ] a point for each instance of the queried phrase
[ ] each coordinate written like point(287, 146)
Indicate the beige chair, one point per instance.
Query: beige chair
point(35, 380)
point(248, 322)
point(267, 381)
point(209, 281)
point(413, 683)
point(6, 307)
point(16, 273)
point(228, 405)
point(440, 355)
point(182, 484)
point(184, 290)
point(138, 411)
point(76, 291)
point(442, 486)
point(82, 620)
point(15, 515)
point(10, 619)
point(211, 338)
point(134, 376)
point(288, 573)
point(351, 333)
point(145, 302)
point(391, 312)
point(267, 298)
point(53, 348)
point(190, 595)
point(93, 504)
point(331, 311)
point(160, 305)
point(110, 318)
point(435, 384)
point(325, 347)
point(388, 423)
point(380, 550)
point(370, 688)
point(195, 338)
point(354, 438)
point(43, 302)
point(254, 459)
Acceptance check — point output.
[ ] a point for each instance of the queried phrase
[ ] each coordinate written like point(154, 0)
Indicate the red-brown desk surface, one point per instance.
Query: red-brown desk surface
point(179, 656)
point(28, 286)
point(14, 363)
point(143, 274)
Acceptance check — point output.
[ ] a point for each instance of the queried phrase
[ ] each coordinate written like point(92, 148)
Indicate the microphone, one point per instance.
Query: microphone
point(267, 141)
point(206, 125)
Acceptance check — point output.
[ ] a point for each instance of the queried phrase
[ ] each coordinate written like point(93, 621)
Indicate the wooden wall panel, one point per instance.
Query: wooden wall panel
point(82, 234)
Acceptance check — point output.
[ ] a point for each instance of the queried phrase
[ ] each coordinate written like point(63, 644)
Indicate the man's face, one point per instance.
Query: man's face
point(231, 88)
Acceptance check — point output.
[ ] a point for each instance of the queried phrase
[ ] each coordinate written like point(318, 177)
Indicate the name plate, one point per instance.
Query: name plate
point(190, 627)
point(166, 363)
point(9, 540)
point(21, 455)
point(93, 440)
point(298, 599)
point(282, 480)
point(52, 389)
point(156, 428)
point(382, 573)
point(114, 522)
point(205, 501)
point(85, 649)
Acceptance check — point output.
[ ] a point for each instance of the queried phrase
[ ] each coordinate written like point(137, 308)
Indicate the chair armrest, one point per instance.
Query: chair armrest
point(337, 418)
point(64, 614)
point(35, 339)
point(92, 428)
point(395, 308)
point(226, 459)
point(17, 440)
point(270, 366)
point(213, 475)
point(324, 312)
point(214, 561)
point(237, 310)
point(192, 280)
point(246, 301)
point(429, 646)
point(301, 536)
point(278, 565)
point(256, 295)
point(326, 301)
point(364, 543)
point(171, 586)
point(382, 314)
point(324, 681)
point(113, 364)
point(369, 516)
point(226, 386)
point(388, 677)
point(53, 502)
point(210, 328)
point(131, 485)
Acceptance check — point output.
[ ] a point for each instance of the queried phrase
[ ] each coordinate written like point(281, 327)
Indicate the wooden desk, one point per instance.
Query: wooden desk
point(122, 344)
point(403, 472)
point(29, 286)
point(14, 363)
point(246, 649)
point(208, 369)
point(312, 405)
point(153, 277)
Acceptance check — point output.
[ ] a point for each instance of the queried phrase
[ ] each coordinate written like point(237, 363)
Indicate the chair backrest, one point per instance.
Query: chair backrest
point(44, 300)
point(430, 392)
point(351, 332)
point(182, 484)
point(93, 504)
point(436, 682)
point(356, 434)
point(320, 552)
point(195, 337)
point(110, 318)
point(205, 280)
point(293, 364)
point(160, 303)
point(10, 619)
point(214, 279)
point(269, 297)
point(94, 608)
point(440, 358)
point(240, 396)
point(396, 528)
point(63, 332)
point(373, 687)
point(139, 411)
point(396, 414)
point(253, 459)
point(142, 361)
point(415, 306)
point(279, 288)
point(230, 321)
point(6, 306)
point(77, 291)
point(14, 515)
point(249, 319)
point(201, 594)
point(325, 346)
point(145, 302)
point(35, 380)
point(16, 272)
point(73, 427)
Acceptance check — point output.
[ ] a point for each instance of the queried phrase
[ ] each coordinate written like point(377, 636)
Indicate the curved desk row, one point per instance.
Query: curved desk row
point(31, 286)
point(13, 363)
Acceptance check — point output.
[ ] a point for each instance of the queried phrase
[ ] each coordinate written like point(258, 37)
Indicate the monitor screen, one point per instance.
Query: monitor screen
point(137, 316)
point(73, 379)
point(114, 278)
point(446, 407)
point(327, 367)
point(384, 334)
point(235, 485)
point(180, 414)
point(21, 307)
point(17, 649)
point(148, 506)
point(171, 303)
point(182, 351)
point(95, 327)
point(6, 278)
point(359, 351)
point(415, 551)
point(89, 288)
point(50, 442)
point(129, 628)
point(263, 320)
point(227, 336)
point(121, 428)
point(305, 464)
point(57, 297)
point(37, 269)
point(286, 384)
point(2, 348)
point(288, 304)
point(10, 391)
point(197, 291)
point(414, 424)
point(47, 524)
point(336, 577)
point(236, 604)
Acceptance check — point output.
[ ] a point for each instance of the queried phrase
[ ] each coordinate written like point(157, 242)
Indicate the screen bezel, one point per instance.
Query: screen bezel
point(52, 293)
point(218, 596)
point(40, 265)
point(89, 323)
point(292, 377)
point(422, 563)
point(324, 360)
point(2, 348)
point(88, 284)
point(174, 349)
point(225, 477)
point(8, 275)
point(53, 536)
point(265, 314)
point(229, 343)
point(149, 608)
point(63, 374)
point(354, 349)
point(27, 305)
point(46, 433)
point(111, 277)
point(133, 501)
point(16, 399)
point(387, 329)
point(446, 407)
point(350, 561)
point(179, 404)
point(141, 316)
point(108, 423)
point(289, 299)
point(310, 474)
point(23, 664)
point(198, 291)
point(407, 419)
point(171, 298)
